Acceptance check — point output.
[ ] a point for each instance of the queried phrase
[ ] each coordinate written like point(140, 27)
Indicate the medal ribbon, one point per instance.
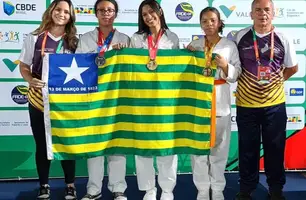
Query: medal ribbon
point(153, 48)
point(208, 50)
point(44, 42)
point(103, 45)
point(257, 51)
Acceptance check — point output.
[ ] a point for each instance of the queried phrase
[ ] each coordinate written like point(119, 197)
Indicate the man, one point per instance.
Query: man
point(267, 59)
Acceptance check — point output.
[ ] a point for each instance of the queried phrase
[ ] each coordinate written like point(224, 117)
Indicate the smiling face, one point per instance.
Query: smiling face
point(210, 23)
point(150, 17)
point(106, 13)
point(61, 14)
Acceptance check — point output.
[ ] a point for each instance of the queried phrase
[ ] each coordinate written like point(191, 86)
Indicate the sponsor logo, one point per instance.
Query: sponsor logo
point(296, 91)
point(184, 11)
point(11, 65)
point(8, 8)
point(233, 119)
point(196, 37)
point(294, 118)
point(84, 10)
point(227, 11)
point(20, 8)
point(128, 11)
point(279, 12)
point(293, 12)
point(19, 94)
point(9, 36)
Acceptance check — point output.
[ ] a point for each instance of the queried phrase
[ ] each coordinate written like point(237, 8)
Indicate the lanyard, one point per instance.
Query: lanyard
point(103, 45)
point(257, 51)
point(153, 48)
point(208, 49)
point(43, 46)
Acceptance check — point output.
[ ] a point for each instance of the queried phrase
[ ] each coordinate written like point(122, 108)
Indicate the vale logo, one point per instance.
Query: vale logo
point(10, 64)
point(227, 11)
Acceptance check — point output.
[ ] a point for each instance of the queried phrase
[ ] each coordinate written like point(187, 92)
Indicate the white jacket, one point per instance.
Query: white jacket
point(229, 51)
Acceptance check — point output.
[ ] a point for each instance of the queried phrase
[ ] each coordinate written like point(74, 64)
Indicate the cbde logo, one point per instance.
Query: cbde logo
point(19, 94)
point(20, 8)
point(184, 11)
point(296, 92)
point(8, 8)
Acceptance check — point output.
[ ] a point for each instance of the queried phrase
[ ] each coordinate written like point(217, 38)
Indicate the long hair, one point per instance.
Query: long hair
point(70, 29)
point(142, 27)
point(214, 10)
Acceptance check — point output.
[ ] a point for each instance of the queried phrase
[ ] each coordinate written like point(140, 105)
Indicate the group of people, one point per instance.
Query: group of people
point(261, 113)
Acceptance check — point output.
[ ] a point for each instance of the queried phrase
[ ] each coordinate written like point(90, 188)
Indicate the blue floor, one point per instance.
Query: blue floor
point(295, 189)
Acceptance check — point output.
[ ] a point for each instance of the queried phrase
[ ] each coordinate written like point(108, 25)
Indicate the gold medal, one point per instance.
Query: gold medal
point(207, 71)
point(152, 65)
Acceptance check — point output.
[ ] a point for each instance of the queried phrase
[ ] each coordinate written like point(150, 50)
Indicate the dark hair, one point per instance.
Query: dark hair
point(214, 10)
point(114, 2)
point(142, 27)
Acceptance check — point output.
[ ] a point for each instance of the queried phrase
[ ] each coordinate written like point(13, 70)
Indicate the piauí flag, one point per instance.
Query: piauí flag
point(124, 108)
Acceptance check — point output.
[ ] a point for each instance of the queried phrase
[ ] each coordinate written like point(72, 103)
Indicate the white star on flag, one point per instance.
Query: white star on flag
point(73, 72)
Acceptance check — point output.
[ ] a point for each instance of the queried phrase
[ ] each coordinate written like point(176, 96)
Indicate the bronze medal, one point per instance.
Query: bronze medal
point(152, 65)
point(207, 71)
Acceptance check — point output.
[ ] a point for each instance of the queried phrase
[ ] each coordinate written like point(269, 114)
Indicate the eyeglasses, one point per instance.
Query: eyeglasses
point(105, 12)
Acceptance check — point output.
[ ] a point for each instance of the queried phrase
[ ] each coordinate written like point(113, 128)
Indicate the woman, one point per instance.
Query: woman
point(56, 34)
point(98, 41)
point(153, 34)
point(208, 171)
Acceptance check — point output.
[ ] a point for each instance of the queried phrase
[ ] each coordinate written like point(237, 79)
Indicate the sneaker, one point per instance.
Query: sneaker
point(150, 194)
point(203, 195)
point(217, 195)
point(167, 196)
point(70, 193)
point(92, 197)
point(119, 196)
point(276, 195)
point(243, 196)
point(44, 192)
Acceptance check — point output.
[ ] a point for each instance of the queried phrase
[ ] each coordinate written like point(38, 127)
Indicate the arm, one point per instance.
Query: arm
point(26, 57)
point(25, 71)
point(289, 71)
point(290, 60)
point(232, 69)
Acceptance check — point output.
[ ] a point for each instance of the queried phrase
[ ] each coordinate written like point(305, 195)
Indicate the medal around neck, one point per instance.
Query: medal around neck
point(100, 60)
point(207, 71)
point(152, 65)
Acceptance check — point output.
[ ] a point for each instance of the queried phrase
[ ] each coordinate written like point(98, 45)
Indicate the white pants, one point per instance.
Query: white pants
point(116, 174)
point(167, 168)
point(208, 171)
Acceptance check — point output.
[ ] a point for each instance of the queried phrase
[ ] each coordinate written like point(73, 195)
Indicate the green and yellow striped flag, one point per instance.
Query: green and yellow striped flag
point(125, 108)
